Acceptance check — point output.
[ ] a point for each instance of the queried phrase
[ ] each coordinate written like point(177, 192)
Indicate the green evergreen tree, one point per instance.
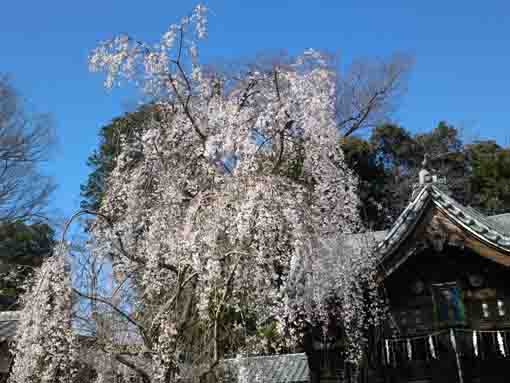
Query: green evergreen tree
point(490, 176)
point(102, 160)
point(23, 247)
point(388, 162)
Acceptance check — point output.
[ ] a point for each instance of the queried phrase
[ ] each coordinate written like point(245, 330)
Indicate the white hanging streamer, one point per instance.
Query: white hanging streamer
point(387, 347)
point(498, 336)
point(475, 343)
point(432, 349)
point(454, 345)
point(501, 343)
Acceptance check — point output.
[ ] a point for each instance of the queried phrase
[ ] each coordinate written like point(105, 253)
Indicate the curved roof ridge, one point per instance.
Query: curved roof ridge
point(405, 221)
point(488, 230)
point(473, 221)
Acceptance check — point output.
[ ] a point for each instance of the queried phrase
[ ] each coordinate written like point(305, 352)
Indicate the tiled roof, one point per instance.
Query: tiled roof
point(9, 315)
point(287, 368)
point(494, 231)
point(404, 223)
point(7, 330)
point(502, 220)
point(8, 321)
point(479, 225)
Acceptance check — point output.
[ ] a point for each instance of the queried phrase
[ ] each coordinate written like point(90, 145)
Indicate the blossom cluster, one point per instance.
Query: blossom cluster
point(234, 199)
point(45, 344)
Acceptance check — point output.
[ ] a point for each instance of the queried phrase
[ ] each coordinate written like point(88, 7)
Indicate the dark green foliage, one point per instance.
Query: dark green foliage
point(22, 248)
point(373, 178)
point(449, 159)
point(102, 161)
point(394, 147)
point(490, 176)
point(388, 163)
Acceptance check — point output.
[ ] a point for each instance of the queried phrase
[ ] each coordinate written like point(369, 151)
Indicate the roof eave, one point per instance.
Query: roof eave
point(475, 225)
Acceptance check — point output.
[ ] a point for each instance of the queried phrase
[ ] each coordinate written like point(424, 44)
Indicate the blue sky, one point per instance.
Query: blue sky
point(461, 49)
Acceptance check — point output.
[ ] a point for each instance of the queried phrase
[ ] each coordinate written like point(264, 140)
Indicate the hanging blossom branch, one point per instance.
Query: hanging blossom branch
point(282, 189)
point(227, 212)
point(45, 344)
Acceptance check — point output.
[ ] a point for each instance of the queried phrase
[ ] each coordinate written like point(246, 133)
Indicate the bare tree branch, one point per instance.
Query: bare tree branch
point(369, 91)
point(26, 140)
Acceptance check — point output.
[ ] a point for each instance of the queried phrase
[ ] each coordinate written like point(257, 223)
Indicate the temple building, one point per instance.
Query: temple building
point(444, 270)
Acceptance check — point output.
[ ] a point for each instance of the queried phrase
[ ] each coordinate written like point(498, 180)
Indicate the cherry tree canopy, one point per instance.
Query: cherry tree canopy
point(227, 210)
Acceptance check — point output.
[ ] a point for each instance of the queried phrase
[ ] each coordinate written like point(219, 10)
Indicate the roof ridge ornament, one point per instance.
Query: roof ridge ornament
point(428, 176)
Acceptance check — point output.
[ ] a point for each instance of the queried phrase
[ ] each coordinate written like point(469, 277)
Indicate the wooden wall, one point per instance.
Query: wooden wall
point(414, 294)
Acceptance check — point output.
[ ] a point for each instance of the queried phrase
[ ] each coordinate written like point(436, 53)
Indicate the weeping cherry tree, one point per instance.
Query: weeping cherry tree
point(225, 212)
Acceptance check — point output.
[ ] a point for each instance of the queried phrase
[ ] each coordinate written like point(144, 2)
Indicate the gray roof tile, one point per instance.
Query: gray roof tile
point(502, 221)
point(287, 368)
point(493, 230)
point(7, 329)
point(8, 322)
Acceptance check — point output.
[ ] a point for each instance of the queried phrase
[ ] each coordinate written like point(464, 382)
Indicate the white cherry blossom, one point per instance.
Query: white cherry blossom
point(230, 208)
